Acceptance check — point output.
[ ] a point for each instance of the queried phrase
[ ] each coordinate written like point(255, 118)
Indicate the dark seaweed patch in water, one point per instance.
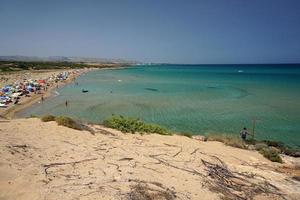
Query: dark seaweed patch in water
point(212, 87)
point(151, 89)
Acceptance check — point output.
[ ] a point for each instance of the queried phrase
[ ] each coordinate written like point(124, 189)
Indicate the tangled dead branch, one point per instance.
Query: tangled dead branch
point(235, 185)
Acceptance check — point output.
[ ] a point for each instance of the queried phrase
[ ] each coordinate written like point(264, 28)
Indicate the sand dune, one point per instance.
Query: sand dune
point(41, 160)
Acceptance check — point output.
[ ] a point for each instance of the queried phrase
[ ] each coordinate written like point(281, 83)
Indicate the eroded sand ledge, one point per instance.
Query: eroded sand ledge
point(41, 160)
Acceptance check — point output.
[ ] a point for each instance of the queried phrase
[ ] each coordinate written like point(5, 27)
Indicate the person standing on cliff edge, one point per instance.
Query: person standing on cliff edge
point(244, 133)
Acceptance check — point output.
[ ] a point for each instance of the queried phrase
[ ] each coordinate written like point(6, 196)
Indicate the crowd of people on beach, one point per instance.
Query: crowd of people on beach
point(11, 94)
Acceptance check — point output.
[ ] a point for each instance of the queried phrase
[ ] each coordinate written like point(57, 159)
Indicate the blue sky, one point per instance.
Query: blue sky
point(186, 31)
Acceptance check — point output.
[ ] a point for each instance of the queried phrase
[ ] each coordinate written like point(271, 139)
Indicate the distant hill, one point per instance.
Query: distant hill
point(64, 59)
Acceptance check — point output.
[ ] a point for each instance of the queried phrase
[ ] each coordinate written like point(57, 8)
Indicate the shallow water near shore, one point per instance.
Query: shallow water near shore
point(198, 99)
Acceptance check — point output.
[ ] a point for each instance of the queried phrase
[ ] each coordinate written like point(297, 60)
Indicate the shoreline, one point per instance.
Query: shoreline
point(26, 102)
point(13, 110)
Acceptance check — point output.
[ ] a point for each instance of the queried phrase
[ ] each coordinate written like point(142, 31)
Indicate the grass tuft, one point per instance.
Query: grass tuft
point(230, 140)
point(33, 116)
point(133, 125)
point(283, 148)
point(291, 152)
point(260, 146)
point(48, 118)
point(271, 153)
point(144, 192)
point(68, 122)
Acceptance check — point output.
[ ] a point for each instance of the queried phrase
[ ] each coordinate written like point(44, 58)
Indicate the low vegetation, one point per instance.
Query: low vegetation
point(9, 66)
point(291, 152)
point(33, 116)
point(269, 149)
point(13, 66)
point(230, 140)
point(145, 192)
point(68, 122)
point(48, 118)
point(265, 148)
point(133, 125)
point(283, 148)
point(271, 153)
point(260, 146)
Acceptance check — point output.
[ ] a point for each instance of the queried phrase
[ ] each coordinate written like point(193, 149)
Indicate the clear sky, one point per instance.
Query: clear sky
point(176, 31)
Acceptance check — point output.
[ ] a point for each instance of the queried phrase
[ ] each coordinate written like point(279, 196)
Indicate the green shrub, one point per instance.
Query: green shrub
point(283, 148)
point(230, 140)
point(68, 122)
point(273, 143)
point(260, 146)
point(133, 125)
point(48, 118)
point(291, 152)
point(271, 153)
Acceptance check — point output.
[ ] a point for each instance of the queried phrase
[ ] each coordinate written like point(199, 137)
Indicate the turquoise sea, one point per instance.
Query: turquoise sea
point(198, 99)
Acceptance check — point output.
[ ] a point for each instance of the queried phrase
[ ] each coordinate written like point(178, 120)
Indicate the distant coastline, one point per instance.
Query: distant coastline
point(12, 71)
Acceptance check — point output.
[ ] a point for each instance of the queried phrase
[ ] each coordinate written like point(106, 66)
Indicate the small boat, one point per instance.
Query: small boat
point(84, 91)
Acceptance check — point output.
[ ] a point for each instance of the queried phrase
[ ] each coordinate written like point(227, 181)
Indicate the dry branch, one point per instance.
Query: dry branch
point(236, 186)
point(47, 166)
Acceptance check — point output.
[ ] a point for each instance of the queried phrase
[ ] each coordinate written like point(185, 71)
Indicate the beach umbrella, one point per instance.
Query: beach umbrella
point(41, 81)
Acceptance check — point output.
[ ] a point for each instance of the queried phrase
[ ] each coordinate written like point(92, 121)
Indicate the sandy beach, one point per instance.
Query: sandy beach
point(25, 102)
point(41, 160)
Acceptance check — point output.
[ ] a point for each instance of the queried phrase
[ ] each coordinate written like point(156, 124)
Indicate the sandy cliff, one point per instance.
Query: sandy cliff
point(41, 160)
